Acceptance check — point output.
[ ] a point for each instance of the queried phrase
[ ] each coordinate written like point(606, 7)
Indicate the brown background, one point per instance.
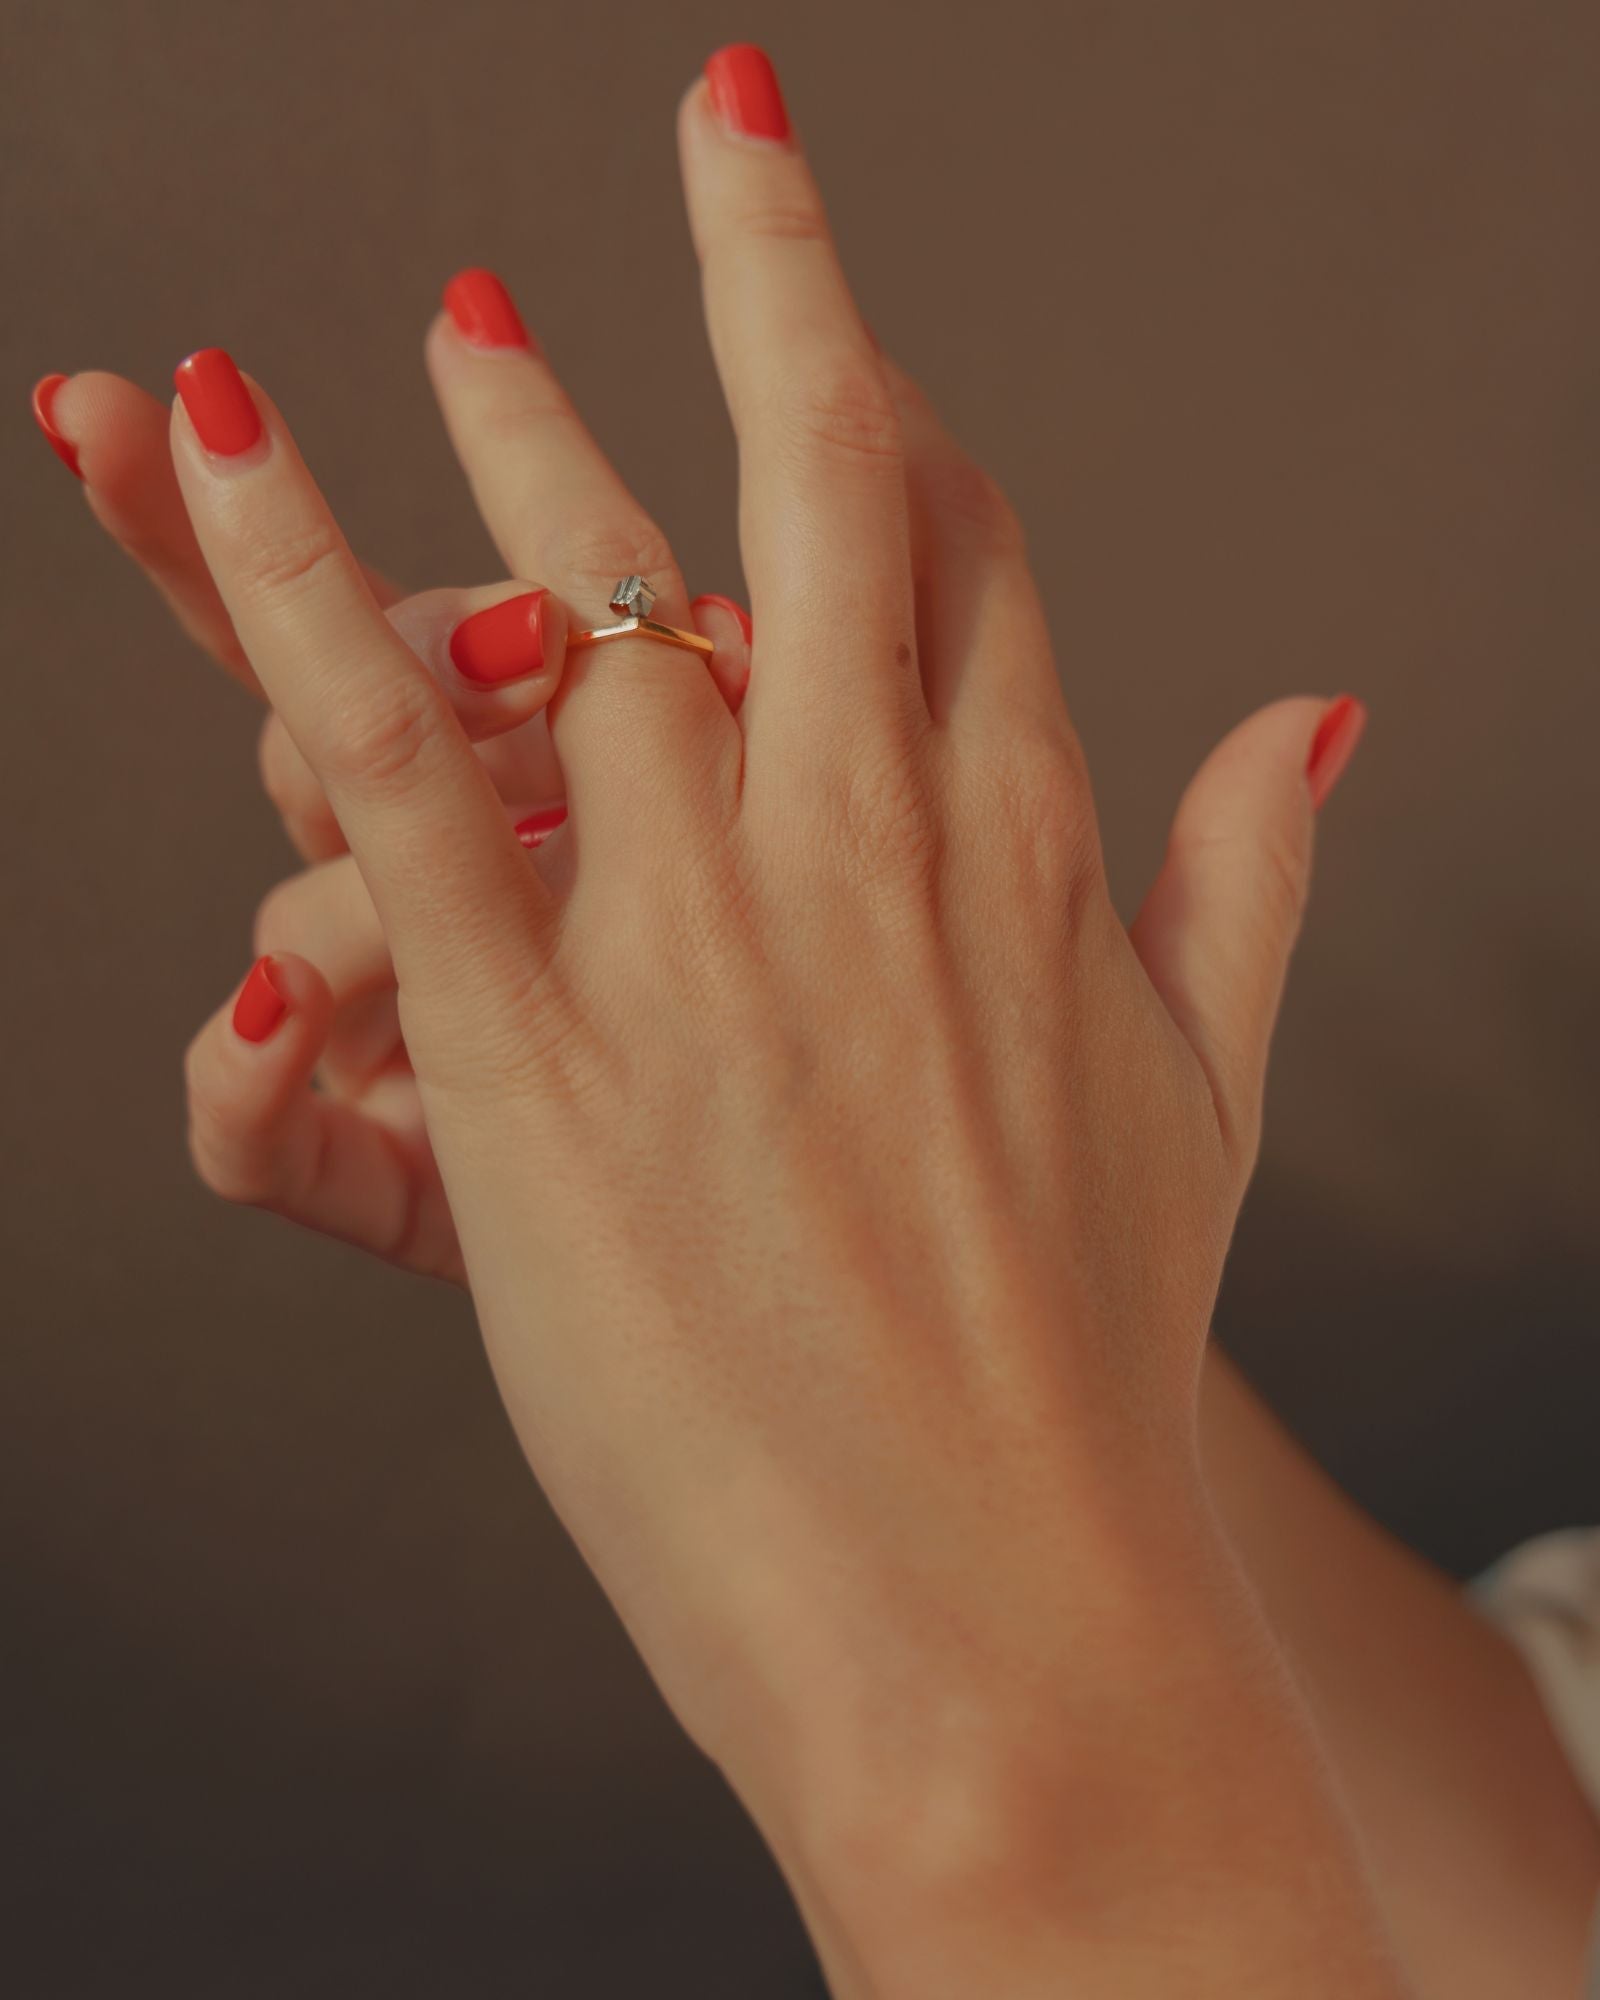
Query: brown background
point(1282, 323)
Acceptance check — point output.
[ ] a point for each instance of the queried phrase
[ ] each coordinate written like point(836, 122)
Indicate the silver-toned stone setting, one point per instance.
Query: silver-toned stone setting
point(632, 598)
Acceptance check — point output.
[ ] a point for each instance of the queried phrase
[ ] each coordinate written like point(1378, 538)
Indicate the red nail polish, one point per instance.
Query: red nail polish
point(1334, 745)
point(726, 604)
point(537, 828)
point(260, 1005)
point(483, 311)
point(745, 93)
point(504, 643)
point(225, 419)
point(44, 402)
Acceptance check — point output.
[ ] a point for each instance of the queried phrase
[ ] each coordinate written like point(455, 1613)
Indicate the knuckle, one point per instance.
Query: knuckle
point(512, 421)
point(1274, 859)
point(965, 494)
point(843, 406)
point(792, 220)
point(888, 830)
point(290, 563)
point(381, 743)
point(1047, 820)
point(1283, 857)
point(594, 554)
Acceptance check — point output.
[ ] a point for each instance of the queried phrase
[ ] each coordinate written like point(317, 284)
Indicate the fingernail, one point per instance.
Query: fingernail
point(537, 828)
point(225, 419)
point(1334, 745)
point(483, 311)
point(260, 1006)
point(726, 604)
point(745, 93)
point(504, 643)
point(44, 402)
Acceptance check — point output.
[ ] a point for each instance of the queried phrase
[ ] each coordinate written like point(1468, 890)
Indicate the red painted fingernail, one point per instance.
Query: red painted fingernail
point(483, 311)
point(745, 93)
point(727, 604)
point(225, 419)
point(504, 643)
point(537, 828)
point(260, 1005)
point(44, 402)
point(1334, 745)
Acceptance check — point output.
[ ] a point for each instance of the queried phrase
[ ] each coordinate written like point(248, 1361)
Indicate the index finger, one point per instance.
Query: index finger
point(117, 435)
point(420, 814)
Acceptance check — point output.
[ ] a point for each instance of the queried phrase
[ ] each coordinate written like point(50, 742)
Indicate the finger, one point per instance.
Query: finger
point(823, 517)
point(432, 840)
point(985, 646)
point(326, 914)
point(259, 1135)
point(497, 653)
point(638, 726)
point(114, 435)
point(1218, 926)
point(727, 624)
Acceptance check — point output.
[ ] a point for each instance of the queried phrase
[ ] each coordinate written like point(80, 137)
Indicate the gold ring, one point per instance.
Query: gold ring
point(631, 600)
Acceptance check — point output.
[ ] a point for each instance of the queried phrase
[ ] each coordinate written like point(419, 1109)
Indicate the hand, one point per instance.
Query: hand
point(843, 1234)
point(349, 1157)
point(258, 1134)
point(113, 435)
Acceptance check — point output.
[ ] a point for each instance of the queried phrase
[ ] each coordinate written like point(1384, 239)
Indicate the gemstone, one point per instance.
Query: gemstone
point(632, 598)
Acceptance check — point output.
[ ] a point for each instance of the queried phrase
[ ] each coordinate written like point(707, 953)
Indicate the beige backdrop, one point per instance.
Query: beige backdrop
point(1282, 324)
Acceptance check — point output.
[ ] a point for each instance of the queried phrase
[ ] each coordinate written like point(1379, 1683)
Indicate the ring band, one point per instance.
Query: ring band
point(631, 600)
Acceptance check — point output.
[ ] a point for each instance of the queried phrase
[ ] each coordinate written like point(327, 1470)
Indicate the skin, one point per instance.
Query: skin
point(1050, 1397)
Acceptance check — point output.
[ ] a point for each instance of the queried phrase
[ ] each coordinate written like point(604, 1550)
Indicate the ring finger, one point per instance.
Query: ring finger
point(636, 724)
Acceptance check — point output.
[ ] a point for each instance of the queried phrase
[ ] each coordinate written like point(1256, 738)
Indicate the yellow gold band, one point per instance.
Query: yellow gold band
point(643, 628)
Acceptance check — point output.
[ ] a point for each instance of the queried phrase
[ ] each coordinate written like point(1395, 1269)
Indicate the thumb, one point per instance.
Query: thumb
point(1220, 921)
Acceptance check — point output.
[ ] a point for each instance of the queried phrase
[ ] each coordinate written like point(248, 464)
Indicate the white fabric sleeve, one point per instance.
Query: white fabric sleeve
point(1546, 1597)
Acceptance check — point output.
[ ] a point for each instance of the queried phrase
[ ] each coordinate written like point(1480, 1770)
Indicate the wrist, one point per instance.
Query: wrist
point(947, 1793)
point(1134, 1806)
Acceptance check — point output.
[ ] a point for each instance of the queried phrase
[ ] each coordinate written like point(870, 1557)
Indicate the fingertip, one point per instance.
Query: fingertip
point(479, 305)
point(262, 1002)
point(536, 827)
point(280, 988)
point(51, 420)
point(222, 409)
point(714, 602)
point(516, 641)
point(1338, 734)
point(726, 623)
point(745, 96)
